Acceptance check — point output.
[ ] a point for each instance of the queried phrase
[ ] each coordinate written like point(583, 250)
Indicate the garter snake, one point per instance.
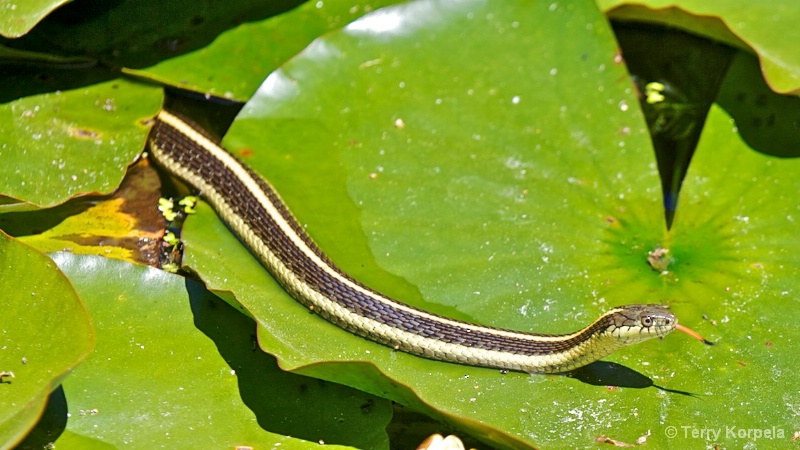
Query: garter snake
point(262, 221)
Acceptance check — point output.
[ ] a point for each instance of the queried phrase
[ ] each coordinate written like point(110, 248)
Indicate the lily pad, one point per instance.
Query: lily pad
point(294, 30)
point(430, 155)
point(206, 385)
point(133, 34)
point(60, 145)
point(127, 225)
point(21, 17)
point(45, 333)
point(765, 27)
point(491, 199)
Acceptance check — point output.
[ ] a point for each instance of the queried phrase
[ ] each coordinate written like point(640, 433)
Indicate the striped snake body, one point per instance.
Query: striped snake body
point(262, 221)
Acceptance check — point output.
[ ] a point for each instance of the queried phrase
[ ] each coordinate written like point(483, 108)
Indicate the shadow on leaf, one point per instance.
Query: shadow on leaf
point(283, 403)
point(602, 373)
point(51, 425)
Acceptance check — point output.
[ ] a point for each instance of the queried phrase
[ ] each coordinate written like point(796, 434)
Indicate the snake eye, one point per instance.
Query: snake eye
point(647, 321)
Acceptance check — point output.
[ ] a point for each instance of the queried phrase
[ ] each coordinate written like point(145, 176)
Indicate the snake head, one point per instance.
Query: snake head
point(636, 323)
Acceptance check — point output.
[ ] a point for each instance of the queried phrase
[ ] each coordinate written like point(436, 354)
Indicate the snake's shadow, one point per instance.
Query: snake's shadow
point(603, 373)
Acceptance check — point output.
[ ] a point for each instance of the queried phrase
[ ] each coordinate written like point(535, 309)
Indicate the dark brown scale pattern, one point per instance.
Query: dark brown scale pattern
point(180, 148)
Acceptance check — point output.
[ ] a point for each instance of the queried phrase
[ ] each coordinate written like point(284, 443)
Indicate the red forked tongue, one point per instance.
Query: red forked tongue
point(693, 334)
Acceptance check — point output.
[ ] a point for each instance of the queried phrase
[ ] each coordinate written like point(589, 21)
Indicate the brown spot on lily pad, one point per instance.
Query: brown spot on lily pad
point(616, 443)
point(84, 133)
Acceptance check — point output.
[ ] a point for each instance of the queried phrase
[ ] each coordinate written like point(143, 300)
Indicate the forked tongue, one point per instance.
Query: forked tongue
point(693, 334)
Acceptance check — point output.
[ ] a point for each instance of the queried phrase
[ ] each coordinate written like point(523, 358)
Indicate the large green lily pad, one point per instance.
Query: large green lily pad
point(59, 145)
point(45, 333)
point(20, 17)
point(516, 187)
point(294, 30)
point(176, 364)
